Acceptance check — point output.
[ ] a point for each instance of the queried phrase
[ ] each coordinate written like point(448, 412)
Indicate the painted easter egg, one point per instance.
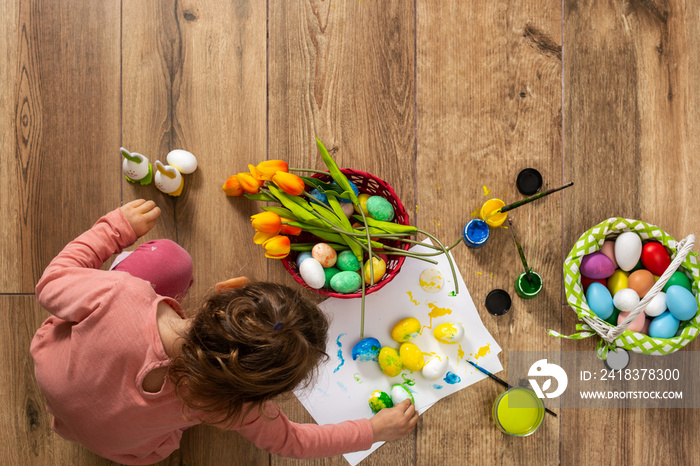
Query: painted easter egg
point(450, 332)
point(319, 196)
point(399, 393)
point(641, 281)
point(612, 320)
point(379, 400)
point(617, 281)
point(184, 161)
point(655, 257)
point(599, 300)
point(645, 328)
point(636, 325)
point(348, 208)
point(431, 280)
point(390, 361)
point(380, 209)
point(312, 273)
point(411, 357)
point(663, 326)
point(608, 248)
point(379, 269)
point(366, 350)
point(596, 265)
point(680, 279)
point(586, 282)
point(329, 272)
point(626, 300)
point(324, 254)
point(354, 189)
point(347, 261)
point(628, 250)
point(362, 198)
point(657, 305)
point(345, 282)
point(435, 367)
point(302, 257)
point(681, 303)
point(405, 329)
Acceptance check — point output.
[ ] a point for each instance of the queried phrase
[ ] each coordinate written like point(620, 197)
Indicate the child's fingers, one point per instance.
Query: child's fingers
point(146, 206)
point(404, 405)
point(151, 216)
point(135, 203)
point(411, 410)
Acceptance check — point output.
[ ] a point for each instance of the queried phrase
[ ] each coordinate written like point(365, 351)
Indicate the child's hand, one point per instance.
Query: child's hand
point(393, 423)
point(141, 214)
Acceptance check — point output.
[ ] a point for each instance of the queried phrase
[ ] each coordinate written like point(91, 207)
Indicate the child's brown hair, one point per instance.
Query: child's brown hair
point(248, 345)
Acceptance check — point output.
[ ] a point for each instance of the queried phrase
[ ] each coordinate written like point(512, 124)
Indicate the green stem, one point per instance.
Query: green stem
point(369, 243)
point(309, 170)
point(447, 254)
point(362, 311)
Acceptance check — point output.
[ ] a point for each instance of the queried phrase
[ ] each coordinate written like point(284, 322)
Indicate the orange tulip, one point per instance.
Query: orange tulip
point(232, 187)
point(288, 229)
point(249, 183)
point(277, 247)
point(261, 237)
point(266, 222)
point(254, 171)
point(289, 183)
point(267, 169)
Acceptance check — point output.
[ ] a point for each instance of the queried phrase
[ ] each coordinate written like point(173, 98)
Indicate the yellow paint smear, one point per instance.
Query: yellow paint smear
point(460, 352)
point(438, 223)
point(436, 312)
point(410, 296)
point(475, 213)
point(483, 351)
point(479, 273)
point(487, 191)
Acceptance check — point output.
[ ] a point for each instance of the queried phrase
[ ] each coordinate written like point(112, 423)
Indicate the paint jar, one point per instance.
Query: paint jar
point(518, 412)
point(528, 289)
point(475, 233)
point(488, 208)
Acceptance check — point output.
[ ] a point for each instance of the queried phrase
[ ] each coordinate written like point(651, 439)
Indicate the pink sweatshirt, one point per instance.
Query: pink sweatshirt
point(92, 354)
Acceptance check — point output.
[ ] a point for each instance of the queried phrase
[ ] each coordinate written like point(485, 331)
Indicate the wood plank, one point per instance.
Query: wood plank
point(630, 71)
point(342, 71)
point(489, 100)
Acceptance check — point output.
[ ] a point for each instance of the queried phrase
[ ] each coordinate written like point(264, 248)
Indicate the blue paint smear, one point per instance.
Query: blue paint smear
point(452, 378)
point(340, 352)
point(342, 387)
point(437, 386)
point(322, 392)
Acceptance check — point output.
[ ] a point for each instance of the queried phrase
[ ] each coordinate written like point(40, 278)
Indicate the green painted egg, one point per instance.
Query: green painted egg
point(347, 261)
point(680, 279)
point(380, 209)
point(330, 273)
point(399, 393)
point(379, 400)
point(390, 361)
point(346, 282)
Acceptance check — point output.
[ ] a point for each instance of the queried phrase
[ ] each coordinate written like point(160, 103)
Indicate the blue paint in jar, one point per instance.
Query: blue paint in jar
point(476, 233)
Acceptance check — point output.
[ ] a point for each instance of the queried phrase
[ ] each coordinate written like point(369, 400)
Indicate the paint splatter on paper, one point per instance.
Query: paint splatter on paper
point(483, 351)
point(342, 387)
point(410, 296)
point(436, 312)
point(356, 376)
point(452, 378)
point(437, 387)
point(460, 352)
point(340, 352)
point(407, 380)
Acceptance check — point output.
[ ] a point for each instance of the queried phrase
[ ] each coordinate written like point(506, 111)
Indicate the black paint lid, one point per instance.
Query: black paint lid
point(529, 181)
point(498, 302)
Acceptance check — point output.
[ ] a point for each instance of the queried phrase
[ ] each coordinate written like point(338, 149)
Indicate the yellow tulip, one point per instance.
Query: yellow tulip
point(267, 169)
point(249, 183)
point(266, 222)
point(289, 183)
point(261, 237)
point(232, 187)
point(277, 247)
point(288, 229)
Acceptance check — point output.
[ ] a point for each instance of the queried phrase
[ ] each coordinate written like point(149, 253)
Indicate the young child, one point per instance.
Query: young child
point(125, 372)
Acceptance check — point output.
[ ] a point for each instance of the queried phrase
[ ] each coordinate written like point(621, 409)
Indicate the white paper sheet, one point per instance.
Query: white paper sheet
point(343, 386)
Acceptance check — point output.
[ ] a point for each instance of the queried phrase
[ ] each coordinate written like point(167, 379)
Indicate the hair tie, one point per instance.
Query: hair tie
point(277, 326)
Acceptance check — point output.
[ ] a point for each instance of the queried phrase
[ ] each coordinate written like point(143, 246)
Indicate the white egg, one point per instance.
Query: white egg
point(435, 367)
point(657, 305)
point(184, 161)
point(311, 271)
point(431, 280)
point(400, 393)
point(626, 299)
point(628, 250)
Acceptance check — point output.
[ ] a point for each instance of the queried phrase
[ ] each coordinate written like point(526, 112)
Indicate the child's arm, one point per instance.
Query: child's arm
point(282, 437)
point(70, 281)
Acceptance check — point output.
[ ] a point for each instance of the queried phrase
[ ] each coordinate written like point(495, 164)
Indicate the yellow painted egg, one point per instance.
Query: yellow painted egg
point(390, 361)
point(617, 281)
point(363, 203)
point(431, 280)
point(411, 357)
point(379, 269)
point(406, 329)
point(450, 332)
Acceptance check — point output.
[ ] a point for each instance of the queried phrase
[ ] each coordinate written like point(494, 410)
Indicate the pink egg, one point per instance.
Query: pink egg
point(637, 324)
point(324, 254)
point(645, 329)
point(608, 249)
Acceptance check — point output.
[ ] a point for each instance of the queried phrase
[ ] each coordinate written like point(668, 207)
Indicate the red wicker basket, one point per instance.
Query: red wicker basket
point(374, 186)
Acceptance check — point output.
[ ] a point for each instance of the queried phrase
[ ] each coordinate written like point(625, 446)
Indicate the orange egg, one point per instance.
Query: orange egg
point(641, 281)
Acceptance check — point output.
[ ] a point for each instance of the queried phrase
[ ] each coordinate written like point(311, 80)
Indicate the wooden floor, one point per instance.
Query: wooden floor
point(440, 98)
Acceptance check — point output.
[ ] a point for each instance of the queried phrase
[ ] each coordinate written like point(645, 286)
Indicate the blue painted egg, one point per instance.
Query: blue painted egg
point(319, 196)
point(596, 265)
point(681, 302)
point(354, 189)
point(600, 300)
point(302, 257)
point(366, 350)
point(664, 326)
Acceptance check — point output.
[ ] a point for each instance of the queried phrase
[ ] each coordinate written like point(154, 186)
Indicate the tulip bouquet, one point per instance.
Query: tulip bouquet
point(322, 217)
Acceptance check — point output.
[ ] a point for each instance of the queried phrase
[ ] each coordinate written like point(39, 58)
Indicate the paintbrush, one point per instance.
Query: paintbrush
point(520, 251)
point(502, 382)
point(527, 200)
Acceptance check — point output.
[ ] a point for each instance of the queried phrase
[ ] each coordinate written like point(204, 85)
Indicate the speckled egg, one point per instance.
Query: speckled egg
point(626, 300)
point(324, 254)
point(312, 273)
point(184, 161)
point(380, 209)
point(449, 332)
point(345, 282)
point(302, 257)
point(399, 393)
point(347, 261)
point(411, 356)
point(366, 350)
point(379, 400)
point(390, 361)
point(405, 329)
point(435, 367)
point(330, 272)
point(657, 305)
point(641, 281)
point(363, 203)
point(319, 196)
point(348, 208)
point(431, 280)
point(379, 269)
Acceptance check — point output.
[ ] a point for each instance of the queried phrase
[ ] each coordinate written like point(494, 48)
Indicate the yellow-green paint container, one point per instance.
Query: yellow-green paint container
point(518, 412)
